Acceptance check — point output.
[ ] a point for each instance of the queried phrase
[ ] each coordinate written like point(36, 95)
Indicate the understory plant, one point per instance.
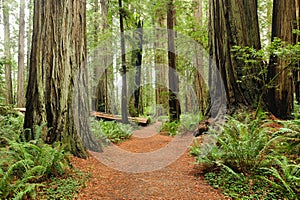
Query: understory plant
point(27, 167)
point(170, 127)
point(111, 131)
point(250, 161)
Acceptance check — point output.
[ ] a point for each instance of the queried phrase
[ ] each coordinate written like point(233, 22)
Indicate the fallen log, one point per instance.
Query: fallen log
point(22, 110)
point(106, 116)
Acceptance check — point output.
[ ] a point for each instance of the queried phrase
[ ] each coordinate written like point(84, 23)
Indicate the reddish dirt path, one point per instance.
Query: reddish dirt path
point(180, 180)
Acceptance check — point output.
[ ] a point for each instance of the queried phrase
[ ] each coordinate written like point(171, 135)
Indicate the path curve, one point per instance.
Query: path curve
point(180, 180)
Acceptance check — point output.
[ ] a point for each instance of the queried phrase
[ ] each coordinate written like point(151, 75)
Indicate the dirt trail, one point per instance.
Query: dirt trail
point(180, 180)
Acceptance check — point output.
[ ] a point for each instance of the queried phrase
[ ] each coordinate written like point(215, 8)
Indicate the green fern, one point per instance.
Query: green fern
point(291, 136)
point(286, 176)
point(241, 145)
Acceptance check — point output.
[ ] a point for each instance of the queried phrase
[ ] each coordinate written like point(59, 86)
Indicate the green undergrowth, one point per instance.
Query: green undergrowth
point(188, 122)
point(111, 131)
point(64, 188)
point(28, 169)
point(252, 160)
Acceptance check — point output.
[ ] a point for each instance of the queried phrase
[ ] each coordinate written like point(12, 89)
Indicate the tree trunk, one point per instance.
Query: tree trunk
point(28, 38)
point(280, 97)
point(174, 107)
point(7, 65)
point(20, 92)
point(124, 81)
point(137, 62)
point(56, 93)
point(199, 84)
point(234, 23)
point(161, 69)
point(297, 68)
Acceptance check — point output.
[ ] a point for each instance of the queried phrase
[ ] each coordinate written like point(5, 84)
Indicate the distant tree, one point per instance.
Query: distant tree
point(57, 67)
point(7, 53)
point(20, 90)
point(280, 97)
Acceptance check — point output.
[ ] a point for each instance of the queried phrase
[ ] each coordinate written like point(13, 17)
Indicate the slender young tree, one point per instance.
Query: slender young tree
point(124, 81)
point(174, 107)
point(20, 92)
point(56, 93)
point(280, 97)
point(7, 54)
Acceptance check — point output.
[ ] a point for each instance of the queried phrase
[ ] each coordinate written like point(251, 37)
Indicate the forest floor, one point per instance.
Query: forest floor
point(182, 179)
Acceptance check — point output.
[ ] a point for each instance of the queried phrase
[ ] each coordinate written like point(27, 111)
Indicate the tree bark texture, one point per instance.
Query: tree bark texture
point(57, 85)
point(137, 62)
point(123, 63)
point(174, 107)
point(297, 68)
point(161, 69)
point(234, 23)
point(20, 92)
point(7, 65)
point(280, 97)
point(199, 83)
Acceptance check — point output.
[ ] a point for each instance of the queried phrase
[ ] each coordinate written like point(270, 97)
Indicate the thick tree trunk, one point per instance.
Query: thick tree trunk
point(28, 38)
point(137, 62)
point(56, 93)
point(199, 84)
point(280, 97)
point(20, 92)
point(161, 68)
point(234, 23)
point(124, 81)
point(7, 66)
point(297, 68)
point(174, 107)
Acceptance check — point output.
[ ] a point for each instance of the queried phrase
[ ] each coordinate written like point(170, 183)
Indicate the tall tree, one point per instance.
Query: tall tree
point(137, 62)
point(199, 84)
point(281, 96)
point(174, 107)
point(29, 36)
point(297, 69)
point(123, 63)
point(234, 23)
point(161, 76)
point(20, 92)
point(7, 65)
point(57, 67)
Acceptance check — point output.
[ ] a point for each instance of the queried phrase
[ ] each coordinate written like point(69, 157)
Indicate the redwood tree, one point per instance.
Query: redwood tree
point(174, 107)
point(234, 23)
point(20, 92)
point(7, 65)
point(123, 63)
point(57, 68)
point(281, 96)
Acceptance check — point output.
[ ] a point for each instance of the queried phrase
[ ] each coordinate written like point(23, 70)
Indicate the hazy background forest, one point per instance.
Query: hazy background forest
point(191, 65)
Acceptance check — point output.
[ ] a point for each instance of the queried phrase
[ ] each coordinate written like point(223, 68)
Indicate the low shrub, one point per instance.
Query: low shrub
point(170, 127)
point(251, 160)
point(111, 131)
